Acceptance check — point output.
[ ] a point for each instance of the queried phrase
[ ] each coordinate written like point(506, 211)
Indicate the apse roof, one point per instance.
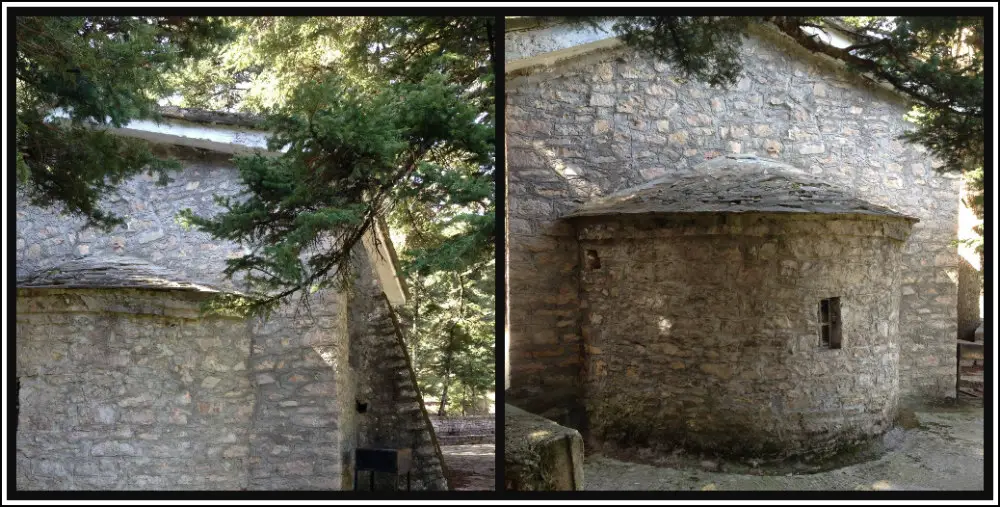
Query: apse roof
point(734, 184)
point(118, 272)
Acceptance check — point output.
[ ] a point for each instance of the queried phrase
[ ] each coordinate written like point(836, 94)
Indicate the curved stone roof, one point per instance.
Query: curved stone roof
point(734, 184)
point(116, 272)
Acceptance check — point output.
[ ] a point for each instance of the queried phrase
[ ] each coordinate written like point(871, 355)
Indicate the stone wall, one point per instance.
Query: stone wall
point(46, 237)
point(540, 455)
point(394, 415)
point(613, 119)
point(129, 389)
point(248, 405)
point(465, 429)
point(970, 293)
point(304, 385)
point(303, 437)
point(703, 333)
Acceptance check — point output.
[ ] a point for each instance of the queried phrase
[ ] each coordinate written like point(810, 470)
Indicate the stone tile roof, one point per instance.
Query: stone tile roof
point(209, 117)
point(734, 184)
point(97, 272)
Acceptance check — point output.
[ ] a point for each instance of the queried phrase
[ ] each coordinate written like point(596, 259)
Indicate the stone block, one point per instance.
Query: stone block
point(540, 455)
point(113, 448)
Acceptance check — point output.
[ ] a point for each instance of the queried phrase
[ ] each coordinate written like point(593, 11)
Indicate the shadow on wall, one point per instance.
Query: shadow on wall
point(573, 175)
point(544, 346)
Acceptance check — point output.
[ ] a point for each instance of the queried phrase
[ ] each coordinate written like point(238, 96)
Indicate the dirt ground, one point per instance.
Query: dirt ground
point(940, 448)
point(470, 467)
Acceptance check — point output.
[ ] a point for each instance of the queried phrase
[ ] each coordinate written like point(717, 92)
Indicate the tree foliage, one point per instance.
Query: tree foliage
point(936, 61)
point(102, 70)
point(275, 55)
point(350, 154)
point(380, 117)
point(451, 337)
point(386, 112)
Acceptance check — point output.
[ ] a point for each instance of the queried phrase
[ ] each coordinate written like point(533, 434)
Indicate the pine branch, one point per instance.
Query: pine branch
point(792, 28)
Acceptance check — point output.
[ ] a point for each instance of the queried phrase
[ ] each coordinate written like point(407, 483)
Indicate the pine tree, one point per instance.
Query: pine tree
point(100, 70)
point(350, 154)
point(384, 116)
point(452, 336)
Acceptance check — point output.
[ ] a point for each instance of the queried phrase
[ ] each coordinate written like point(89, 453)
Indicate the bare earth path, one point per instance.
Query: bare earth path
point(943, 451)
point(470, 467)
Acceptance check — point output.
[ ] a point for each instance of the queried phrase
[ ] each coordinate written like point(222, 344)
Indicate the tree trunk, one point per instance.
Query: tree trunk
point(449, 352)
point(447, 373)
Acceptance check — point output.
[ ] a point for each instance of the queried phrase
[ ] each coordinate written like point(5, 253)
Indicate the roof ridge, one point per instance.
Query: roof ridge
point(210, 117)
point(735, 185)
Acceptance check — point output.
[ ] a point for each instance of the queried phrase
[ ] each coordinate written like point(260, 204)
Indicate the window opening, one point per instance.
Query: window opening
point(829, 323)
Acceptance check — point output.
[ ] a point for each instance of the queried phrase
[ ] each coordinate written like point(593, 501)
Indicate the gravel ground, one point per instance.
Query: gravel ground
point(941, 450)
point(470, 467)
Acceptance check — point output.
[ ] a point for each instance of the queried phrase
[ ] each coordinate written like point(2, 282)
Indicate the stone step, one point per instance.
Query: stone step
point(970, 350)
point(970, 392)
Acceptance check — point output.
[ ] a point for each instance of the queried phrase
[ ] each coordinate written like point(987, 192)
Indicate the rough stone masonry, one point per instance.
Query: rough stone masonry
point(609, 119)
point(700, 300)
point(126, 386)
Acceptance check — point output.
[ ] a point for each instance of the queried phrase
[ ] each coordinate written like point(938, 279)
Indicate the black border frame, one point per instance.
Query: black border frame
point(500, 494)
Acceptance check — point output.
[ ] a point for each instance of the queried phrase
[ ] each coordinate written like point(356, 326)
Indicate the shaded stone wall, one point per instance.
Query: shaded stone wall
point(302, 439)
point(182, 402)
point(704, 333)
point(612, 120)
point(394, 415)
point(129, 389)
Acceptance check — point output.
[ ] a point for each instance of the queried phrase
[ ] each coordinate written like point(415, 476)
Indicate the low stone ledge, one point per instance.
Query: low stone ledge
point(540, 455)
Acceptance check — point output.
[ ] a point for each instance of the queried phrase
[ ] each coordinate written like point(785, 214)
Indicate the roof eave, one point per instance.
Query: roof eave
point(640, 214)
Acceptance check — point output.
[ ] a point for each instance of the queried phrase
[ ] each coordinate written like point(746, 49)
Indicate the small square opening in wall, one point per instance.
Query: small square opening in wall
point(592, 260)
point(829, 323)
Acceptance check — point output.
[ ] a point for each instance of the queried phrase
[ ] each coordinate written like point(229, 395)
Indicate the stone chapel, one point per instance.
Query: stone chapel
point(766, 269)
point(123, 384)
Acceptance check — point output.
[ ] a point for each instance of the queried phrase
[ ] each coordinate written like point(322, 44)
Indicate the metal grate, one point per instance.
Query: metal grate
point(380, 460)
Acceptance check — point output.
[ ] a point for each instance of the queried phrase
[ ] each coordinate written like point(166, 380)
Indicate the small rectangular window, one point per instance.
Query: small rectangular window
point(829, 322)
point(593, 261)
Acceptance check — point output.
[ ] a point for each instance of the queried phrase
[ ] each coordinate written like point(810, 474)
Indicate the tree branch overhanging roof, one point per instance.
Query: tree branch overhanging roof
point(240, 133)
point(561, 42)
